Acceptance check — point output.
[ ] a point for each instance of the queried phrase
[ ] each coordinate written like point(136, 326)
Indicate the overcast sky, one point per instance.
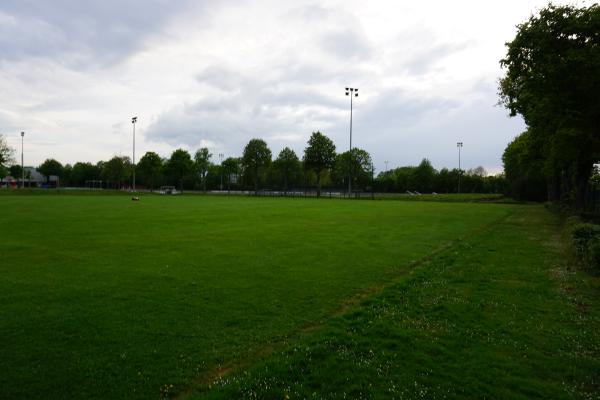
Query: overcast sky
point(218, 73)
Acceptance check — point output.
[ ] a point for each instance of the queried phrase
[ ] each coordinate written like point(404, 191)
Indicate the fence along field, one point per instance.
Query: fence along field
point(107, 298)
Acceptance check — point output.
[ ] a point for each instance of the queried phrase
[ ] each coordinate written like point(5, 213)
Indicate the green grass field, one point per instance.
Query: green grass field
point(102, 297)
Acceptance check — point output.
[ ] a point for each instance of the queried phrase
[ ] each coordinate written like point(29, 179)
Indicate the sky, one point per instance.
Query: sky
point(218, 73)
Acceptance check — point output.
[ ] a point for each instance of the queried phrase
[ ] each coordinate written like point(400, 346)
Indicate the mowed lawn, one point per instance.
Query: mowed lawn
point(102, 297)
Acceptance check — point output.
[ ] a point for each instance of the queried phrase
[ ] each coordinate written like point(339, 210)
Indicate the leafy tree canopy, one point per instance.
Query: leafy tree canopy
point(6, 152)
point(553, 80)
point(256, 156)
point(51, 167)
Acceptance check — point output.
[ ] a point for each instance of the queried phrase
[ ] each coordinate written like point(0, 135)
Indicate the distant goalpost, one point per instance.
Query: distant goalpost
point(93, 184)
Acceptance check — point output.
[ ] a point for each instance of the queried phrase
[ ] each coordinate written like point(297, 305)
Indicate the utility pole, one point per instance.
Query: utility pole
point(349, 92)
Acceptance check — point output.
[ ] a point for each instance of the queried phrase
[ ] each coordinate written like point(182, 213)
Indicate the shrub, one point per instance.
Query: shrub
point(586, 241)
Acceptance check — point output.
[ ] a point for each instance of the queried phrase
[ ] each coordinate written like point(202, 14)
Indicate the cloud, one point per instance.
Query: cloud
point(81, 32)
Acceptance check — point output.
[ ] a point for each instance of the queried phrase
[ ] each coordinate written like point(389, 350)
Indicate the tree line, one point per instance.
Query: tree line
point(553, 81)
point(320, 167)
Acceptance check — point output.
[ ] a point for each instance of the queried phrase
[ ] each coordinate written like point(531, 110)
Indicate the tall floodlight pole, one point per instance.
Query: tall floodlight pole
point(350, 92)
point(386, 163)
point(221, 155)
point(22, 164)
point(459, 145)
point(133, 121)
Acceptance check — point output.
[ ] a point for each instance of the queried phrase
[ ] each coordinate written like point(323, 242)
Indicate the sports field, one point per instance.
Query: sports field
point(102, 297)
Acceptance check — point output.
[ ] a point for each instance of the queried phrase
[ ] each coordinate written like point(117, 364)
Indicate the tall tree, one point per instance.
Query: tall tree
point(15, 171)
point(355, 164)
point(231, 167)
point(201, 164)
point(6, 156)
point(150, 168)
point(257, 156)
point(117, 171)
point(83, 172)
point(180, 166)
point(319, 155)
point(51, 167)
point(288, 165)
point(553, 80)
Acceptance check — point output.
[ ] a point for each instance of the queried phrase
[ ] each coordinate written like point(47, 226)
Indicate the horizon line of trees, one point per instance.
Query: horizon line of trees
point(255, 169)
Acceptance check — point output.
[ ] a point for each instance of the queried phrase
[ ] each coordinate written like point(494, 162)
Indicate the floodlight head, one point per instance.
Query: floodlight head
point(133, 120)
point(22, 133)
point(347, 93)
point(356, 94)
point(347, 89)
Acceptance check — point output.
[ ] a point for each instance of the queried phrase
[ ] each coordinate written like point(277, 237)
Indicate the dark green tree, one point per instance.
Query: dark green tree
point(523, 166)
point(356, 164)
point(15, 171)
point(51, 167)
point(202, 164)
point(553, 80)
point(6, 155)
point(423, 177)
point(83, 172)
point(180, 166)
point(257, 156)
point(150, 169)
point(231, 170)
point(117, 171)
point(288, 166)
point(319, 156)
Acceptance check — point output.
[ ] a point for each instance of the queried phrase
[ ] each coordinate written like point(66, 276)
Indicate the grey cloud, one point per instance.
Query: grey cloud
point(220, 77)
point(80, 31)
point(348, 44)
point(427, 59)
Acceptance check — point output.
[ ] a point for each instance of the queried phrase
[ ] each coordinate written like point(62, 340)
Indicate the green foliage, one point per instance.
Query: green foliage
point(319, 155)
point(15, 171)
point(6, 153)
point(116, 171)
point(586, 242)
point(231, 170)
point(201, 164)
point(150, 169)
point(288, 167)
point(84, 171)
point(256, 158)
point(356, 164)
point(524, 166)
point(180, 167)
point(553, 80)
point(426, 179)
point(51, 167)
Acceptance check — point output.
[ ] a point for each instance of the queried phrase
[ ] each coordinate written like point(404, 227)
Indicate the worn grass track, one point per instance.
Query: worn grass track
point(499, 315)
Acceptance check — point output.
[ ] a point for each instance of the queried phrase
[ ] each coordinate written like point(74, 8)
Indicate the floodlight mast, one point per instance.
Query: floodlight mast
point(133, 121)
point(459, 145)
point(22, 164)
point(349, 92)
